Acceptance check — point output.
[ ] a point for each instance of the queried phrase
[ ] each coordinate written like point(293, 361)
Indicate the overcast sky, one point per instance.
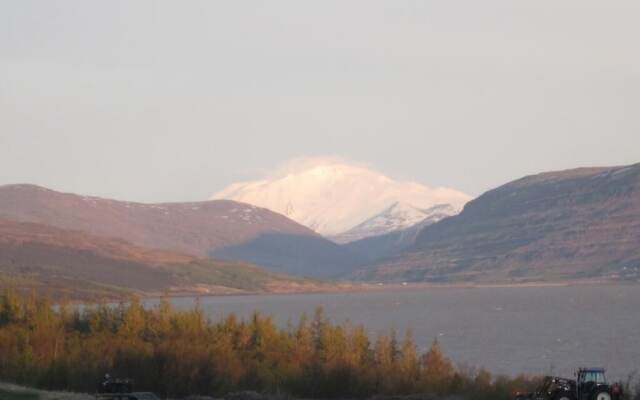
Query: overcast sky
point(173, 100)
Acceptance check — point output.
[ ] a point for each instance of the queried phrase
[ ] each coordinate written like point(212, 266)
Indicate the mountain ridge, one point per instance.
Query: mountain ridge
point(215, 228)
point(397, 217)
point(571, 224)
point(193, 227)
point(76, 264)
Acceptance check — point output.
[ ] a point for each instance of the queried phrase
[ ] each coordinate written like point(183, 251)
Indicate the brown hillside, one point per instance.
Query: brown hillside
point(42, 257)
point(576, 224)
point(196, 228)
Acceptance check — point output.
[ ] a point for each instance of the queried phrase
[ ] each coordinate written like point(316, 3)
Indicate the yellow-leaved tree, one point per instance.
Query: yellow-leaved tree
point(437, 369)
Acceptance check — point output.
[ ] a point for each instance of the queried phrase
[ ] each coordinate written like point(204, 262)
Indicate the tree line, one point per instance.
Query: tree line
point(179, 353)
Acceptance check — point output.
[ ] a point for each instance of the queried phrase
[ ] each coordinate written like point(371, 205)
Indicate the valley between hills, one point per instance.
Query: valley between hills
point(578, 226)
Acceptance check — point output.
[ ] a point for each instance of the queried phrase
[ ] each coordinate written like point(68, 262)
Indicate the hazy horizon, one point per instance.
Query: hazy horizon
point(162, 101)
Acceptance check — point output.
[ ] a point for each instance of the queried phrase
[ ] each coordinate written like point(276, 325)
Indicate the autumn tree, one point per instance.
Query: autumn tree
point(180, 353)
point(437, 369)
point(408, 365)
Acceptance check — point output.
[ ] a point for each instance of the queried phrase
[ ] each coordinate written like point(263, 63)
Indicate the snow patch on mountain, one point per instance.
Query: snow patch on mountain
point(395, 218)
point(332, 196)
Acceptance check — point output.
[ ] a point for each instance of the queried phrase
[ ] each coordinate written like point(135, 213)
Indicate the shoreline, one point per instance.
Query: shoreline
point(340, 288)
point(355, 287)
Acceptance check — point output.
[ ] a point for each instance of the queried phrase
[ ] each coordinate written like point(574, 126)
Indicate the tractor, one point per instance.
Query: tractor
point(590, 384)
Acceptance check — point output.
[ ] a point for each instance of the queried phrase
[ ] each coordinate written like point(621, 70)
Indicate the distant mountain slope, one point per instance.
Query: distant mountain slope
point(371, 249)
point(582, 223)
point(331, 196)
point(295, 254)
point(72, 262)
point(194, 228)
point(200, 229)
point(398, 217)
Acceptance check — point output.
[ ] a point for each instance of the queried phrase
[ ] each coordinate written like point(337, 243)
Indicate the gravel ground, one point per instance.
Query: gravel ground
point(15, 392)
point(10, 391)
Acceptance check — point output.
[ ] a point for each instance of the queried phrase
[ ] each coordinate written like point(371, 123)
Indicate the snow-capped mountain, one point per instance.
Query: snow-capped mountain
point(332, 196)
point(395, 218)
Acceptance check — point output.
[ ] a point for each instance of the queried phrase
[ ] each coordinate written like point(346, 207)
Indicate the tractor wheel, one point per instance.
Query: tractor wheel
point(602, 396)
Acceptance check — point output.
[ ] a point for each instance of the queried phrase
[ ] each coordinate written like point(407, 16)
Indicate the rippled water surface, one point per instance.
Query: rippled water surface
point(508, 330)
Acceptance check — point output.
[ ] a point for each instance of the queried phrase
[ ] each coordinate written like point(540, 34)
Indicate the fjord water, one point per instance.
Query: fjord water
point(509, 330)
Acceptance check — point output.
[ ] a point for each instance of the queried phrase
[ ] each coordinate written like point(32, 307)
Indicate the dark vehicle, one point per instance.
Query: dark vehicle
point(590, 384)
point(127, 396)
point(115, 385)
point(121, 389)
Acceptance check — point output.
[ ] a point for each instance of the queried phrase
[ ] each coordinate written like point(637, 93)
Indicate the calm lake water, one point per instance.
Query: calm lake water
point(507, 330)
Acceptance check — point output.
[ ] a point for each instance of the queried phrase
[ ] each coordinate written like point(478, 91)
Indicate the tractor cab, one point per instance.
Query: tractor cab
point(595, 375)
point(592, 384)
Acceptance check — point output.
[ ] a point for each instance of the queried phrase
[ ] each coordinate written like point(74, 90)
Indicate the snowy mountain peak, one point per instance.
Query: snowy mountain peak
point(395, 218)
point(332, 196)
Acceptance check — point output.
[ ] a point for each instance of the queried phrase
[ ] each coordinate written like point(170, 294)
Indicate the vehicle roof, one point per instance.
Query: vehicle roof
point(592, 370)
point(136, 395)
point(145, 395)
